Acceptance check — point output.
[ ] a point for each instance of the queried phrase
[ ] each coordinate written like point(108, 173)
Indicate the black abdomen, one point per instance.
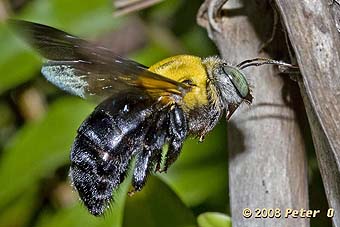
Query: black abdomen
point(119, 129)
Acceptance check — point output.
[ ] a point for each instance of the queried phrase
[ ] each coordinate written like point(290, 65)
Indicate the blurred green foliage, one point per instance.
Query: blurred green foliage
point(35, 153)
point(213, 219)
point(34, 158)
point(39, 147)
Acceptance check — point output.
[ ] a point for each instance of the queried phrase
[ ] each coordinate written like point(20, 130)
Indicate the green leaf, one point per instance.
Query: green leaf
point(19, 64)
point(156, 205)
point(78, 216)
point(23, 207)
point(213, 219)
point(194, 38)
point(151, 54)
point(40, 147)
point(78, 18)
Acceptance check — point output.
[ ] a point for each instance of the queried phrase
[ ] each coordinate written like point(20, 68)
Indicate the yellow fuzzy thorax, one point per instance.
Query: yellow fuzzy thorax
point(182, 68)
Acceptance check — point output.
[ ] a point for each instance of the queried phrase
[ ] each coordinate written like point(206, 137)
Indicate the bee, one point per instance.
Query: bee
point(141, 108)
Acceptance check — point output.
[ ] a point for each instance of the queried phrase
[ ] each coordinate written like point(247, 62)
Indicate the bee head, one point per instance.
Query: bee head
point(229, 82)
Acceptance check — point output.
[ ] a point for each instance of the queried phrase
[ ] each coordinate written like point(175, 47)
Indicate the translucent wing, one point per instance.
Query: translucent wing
point(86, 70)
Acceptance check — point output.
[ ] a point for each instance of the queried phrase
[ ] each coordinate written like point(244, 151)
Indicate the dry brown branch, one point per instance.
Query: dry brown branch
point(312, 29)
point(127, 6)
point(3, 10)
point(267, 162)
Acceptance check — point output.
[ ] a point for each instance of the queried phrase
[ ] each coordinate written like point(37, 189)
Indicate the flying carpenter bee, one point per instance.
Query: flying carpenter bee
point(141, 108)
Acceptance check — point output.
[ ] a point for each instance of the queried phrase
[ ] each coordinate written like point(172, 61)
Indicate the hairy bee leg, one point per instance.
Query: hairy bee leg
point(216, 116)
point(172, 154)
point(177, 133)
point(151, 157)
point(157, 160)
point(146, 163)
point(141, 170)
point(162, 137)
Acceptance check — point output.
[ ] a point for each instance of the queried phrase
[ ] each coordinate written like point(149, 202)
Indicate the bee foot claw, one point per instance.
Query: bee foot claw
point(132, 193)
point(164, 170)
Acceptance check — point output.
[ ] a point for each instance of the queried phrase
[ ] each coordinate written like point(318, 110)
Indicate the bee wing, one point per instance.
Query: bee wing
point(81, 68)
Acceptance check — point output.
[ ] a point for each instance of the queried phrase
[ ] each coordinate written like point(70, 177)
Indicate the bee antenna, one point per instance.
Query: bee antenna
point(265, 61)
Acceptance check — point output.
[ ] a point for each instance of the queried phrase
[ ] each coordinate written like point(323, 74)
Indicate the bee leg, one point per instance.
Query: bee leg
point(161, 137)
point(177, 133)
point(151, 155)
point(158, 162)
point(215, 116)
point(141, 170)
point(173, 153)
point(145, 163)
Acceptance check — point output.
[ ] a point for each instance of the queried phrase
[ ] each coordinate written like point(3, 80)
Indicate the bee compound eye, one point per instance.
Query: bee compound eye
point(238, 79)
point(188, 82)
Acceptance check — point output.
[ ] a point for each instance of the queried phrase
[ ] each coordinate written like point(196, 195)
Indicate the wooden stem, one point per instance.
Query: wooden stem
point(267, 161)
point(312, 28)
